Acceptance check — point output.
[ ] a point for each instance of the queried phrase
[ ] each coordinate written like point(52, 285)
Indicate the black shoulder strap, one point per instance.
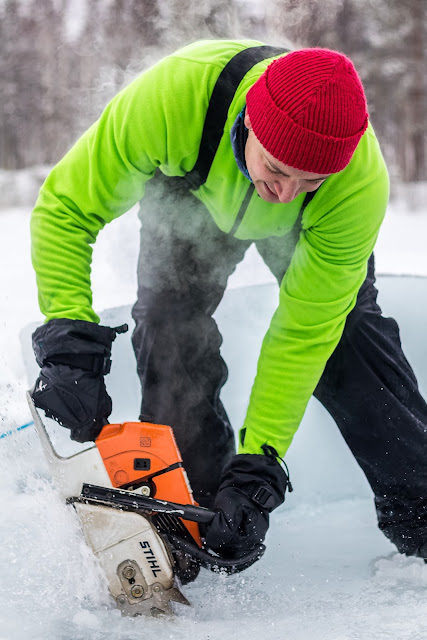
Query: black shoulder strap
point(219, 104)
point(308, 198)
point(298, 223)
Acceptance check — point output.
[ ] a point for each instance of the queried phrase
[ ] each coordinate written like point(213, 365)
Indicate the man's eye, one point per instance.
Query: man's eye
point(271, 170)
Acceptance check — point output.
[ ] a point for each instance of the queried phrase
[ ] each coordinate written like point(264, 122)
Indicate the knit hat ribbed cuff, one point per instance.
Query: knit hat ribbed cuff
point(292, 144)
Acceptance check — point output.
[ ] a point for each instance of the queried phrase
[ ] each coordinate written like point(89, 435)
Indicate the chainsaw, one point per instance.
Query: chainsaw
point(137, 513)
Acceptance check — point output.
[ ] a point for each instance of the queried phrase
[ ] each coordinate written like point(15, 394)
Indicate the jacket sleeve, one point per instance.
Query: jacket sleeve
point(104, 174)
point(317, 293)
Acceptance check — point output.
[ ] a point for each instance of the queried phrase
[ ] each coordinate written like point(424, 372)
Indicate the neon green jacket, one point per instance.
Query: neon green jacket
point(156, 122)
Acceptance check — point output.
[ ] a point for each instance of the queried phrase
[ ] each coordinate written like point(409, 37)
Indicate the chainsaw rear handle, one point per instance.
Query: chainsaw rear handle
point(215, 563)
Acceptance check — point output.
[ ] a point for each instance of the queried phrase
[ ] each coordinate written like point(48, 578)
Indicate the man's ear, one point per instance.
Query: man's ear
point(247, 122)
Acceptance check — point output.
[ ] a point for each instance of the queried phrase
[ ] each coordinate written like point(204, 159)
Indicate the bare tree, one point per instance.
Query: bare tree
point(387, 40)
point(62, 60)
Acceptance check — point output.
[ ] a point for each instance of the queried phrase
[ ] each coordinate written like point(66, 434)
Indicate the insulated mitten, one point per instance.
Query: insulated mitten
point(74, 356)
point(252, 486)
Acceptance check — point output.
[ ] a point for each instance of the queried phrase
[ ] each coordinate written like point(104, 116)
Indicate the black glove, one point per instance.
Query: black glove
point(252, 486)
point(74, 356)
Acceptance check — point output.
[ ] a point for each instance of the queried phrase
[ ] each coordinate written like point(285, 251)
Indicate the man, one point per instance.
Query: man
point(277, 149)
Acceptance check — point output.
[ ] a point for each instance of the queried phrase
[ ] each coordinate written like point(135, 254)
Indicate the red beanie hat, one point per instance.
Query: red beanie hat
point(308, 109)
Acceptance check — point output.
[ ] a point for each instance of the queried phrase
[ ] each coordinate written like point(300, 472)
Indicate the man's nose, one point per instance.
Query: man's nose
point(287, 190)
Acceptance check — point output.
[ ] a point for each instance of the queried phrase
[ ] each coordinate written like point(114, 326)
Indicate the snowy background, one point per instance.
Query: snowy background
point(328, 572)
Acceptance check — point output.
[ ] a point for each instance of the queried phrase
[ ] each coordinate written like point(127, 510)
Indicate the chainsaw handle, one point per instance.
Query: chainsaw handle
point(145, 504)
point(196, 514)
point(213, 562)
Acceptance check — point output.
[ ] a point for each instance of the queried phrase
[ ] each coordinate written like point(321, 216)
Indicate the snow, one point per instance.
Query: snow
point(401, 244)
point(20, 188)
point(328, 572)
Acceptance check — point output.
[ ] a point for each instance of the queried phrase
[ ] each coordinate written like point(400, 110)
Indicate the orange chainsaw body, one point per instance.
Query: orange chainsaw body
point(141, 454)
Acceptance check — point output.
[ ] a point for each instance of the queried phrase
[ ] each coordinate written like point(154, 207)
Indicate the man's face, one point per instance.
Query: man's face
point(273, 180)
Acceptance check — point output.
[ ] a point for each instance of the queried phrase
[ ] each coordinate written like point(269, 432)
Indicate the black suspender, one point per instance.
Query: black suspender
point(295, 229)
point(219, 104)
point(216, 117)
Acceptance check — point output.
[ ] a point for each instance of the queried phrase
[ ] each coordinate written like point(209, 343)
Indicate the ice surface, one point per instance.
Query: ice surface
point(328, 573)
